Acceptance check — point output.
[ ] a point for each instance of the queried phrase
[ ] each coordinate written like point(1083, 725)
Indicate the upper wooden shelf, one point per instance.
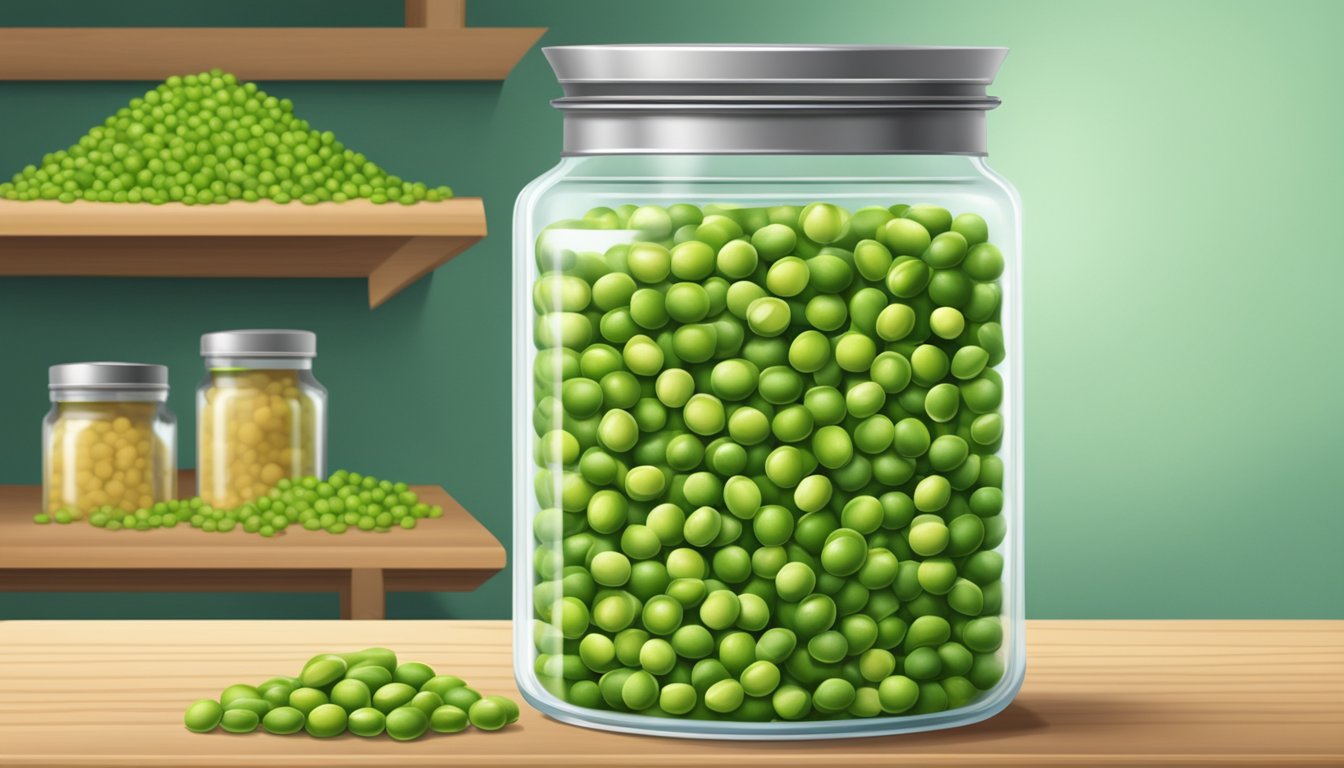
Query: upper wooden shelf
point(435, 44)
point(391, 245)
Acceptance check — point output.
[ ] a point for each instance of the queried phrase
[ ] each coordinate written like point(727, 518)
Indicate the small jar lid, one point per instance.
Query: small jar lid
point(259, 343)
point(108, 376)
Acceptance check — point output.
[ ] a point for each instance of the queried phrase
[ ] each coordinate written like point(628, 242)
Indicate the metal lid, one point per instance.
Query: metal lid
point(259, 343)
point(625, 99)
point(108, 376)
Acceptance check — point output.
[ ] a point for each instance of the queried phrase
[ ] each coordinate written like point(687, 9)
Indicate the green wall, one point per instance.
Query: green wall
point(1180, 166)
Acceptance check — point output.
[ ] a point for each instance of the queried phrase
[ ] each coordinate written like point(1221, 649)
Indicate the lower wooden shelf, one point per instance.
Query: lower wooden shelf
point(454, 553)
point(390, 245)
point(1249, 693)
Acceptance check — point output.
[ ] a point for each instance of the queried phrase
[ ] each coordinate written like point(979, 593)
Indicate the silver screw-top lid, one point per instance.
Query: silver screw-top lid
point(259, 343)
point(774, 99)
point(108, 376)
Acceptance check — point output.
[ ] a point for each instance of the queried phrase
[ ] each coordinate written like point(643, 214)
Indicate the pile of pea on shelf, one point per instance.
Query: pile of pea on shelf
point(205, 139)
point(343, 501)
point(365, 692)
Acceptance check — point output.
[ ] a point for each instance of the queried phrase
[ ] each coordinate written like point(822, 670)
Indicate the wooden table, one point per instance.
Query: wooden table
point(454, 553)
point(1252, 693)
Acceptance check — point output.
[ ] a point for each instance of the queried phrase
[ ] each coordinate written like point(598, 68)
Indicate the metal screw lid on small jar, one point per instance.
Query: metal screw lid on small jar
point(108, 376)
point(774, 99)
point(259, 343)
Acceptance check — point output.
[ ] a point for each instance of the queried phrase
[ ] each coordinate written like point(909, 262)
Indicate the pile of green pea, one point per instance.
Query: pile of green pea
point(207, 138)
point(343, 501)
point(768, 475)
point(366, 692)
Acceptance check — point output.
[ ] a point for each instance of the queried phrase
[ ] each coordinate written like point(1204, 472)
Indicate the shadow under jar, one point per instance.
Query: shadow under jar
point(261, 416)
point(768, 387)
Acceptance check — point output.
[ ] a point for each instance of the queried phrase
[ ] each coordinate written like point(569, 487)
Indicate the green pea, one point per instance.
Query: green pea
point(657, 657)
point(984, 303)
point(947, 452)
point(872, 259)
point(325, 721)
point(947, 322)
point(983, 394)
point(815, 614)
point(844, 552)
point(445, 719)
point(833, 695)
point(855, 352)
point(911, 438)
point(966, 533)
point(754, 613)
point(983, 635)
point(932, 493)
point(774, 241)
point(321, 670)
point(649, 263)
point(984, 262)
point(990, 337)
point(895, 322)
point(307, 699)
point(644, 483)
point(613, 290)
point(692, 641)
point(791, 702)
point(987, 429)
point(946, 250)
point(983, 567)
point(563, 329)
point(677, 698)
point(879, 569)
point(986, 671)
point(968, 362)
point(928, 537)
point(906, 237)
point(929, 364)
point(823, 222)
point(966, 598)
point(737, 259)
point(724, 696)
point(283, 721)
point(813, 493)
point(950, 288)
point(937, 575)
point(788, 276)
point(826, 405)
point(897, 694)
point(610, 569)
point(720, 609)
point(351, 694)
point(461, 697)
point(642, 356)
point(972, 227)
point(674, 387)
point(427, 701)
point(204, 715)
point(890, 631)
point(396, 694)
point(243, 720)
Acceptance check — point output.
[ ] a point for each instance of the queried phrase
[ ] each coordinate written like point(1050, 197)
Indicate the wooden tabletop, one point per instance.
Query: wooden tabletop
point(453, 553)
point(85, 693)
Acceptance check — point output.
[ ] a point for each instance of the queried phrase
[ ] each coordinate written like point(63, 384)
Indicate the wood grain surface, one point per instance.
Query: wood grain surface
point(1108, 693)
point(392, 246)
point(453, 553)
point(460, 216)
point(262, 53)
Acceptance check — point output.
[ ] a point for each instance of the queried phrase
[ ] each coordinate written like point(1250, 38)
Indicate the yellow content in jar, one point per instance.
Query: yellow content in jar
point(257, 428)
point(107, 454)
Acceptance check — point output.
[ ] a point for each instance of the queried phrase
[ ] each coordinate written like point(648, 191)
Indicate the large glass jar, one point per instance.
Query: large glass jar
point(768, 387)
point(261, 416)
point(109, 440)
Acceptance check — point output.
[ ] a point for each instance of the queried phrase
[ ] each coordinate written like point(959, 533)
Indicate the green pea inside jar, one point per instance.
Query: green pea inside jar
point(771, 435)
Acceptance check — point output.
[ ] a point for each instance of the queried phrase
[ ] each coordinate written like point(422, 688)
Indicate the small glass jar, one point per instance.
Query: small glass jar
point(109, 439)
point(261, 416)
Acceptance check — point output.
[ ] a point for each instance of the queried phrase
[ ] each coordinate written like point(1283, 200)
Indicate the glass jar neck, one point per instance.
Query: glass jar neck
point(774, 130)
point(214, 364)
point(109, 396)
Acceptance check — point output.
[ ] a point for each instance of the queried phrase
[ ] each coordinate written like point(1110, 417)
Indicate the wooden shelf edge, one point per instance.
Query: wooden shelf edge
point(459, 216)
point(265, 53)
point(391, 246)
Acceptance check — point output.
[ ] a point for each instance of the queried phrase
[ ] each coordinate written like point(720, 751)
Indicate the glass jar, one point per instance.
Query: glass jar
point(109, 439)
point(768, 387)
point(261, 416)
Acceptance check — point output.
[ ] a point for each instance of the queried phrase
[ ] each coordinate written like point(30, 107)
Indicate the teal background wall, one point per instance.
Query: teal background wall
point(1180, 164)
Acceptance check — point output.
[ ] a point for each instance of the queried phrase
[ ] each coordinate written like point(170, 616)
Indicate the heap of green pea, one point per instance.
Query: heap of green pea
point(343, 501)
point(204, 139)
point(768, 478)
point(366, 692)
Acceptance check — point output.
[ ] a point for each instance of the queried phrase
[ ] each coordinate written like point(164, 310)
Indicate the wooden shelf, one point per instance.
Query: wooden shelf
point(390, 245)
point(1251, 693)
point(434, 45)
point(454, 553)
